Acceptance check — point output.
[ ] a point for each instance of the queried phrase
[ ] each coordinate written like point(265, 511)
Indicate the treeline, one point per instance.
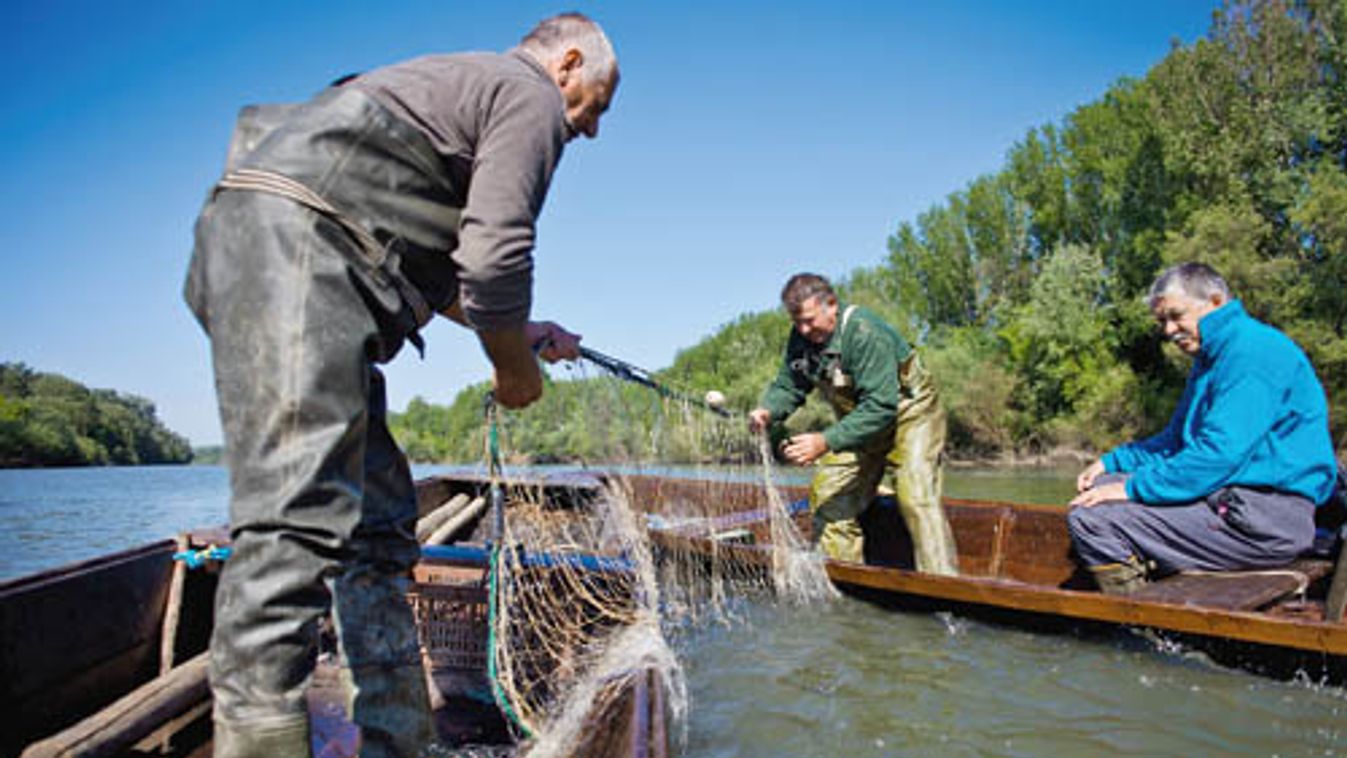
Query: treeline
point(586, 419)
point(1028, 285)
point(49, 420)
point(1025, 289)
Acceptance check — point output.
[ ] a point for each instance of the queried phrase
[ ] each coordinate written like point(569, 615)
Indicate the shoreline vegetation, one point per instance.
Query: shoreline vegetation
point(1024, 291)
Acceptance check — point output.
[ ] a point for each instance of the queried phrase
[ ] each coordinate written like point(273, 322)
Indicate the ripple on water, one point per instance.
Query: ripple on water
point(852, 679)
point(51, 517)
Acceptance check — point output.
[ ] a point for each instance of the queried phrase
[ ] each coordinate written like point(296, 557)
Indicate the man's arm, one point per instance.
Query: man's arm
point(784, 395)
point(517, 151)
point(1240, 417)
point(518, 381)
point(874, 365)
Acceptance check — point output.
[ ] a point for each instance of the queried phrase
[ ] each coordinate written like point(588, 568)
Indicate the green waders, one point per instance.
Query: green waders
point(908, 463)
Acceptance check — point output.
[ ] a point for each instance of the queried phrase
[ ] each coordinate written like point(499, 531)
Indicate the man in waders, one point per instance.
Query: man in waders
point(1233, 480)
point(340, 227)
point(890, 428)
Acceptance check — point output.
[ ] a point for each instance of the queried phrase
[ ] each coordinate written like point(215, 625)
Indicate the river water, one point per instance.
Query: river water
point(841, 679)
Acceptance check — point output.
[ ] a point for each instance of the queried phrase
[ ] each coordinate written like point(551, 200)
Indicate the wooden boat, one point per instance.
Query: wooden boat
point(109, 657)
point(1016, 567)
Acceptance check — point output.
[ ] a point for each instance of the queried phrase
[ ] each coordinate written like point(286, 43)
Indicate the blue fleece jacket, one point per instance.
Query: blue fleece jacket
point(1253, 413)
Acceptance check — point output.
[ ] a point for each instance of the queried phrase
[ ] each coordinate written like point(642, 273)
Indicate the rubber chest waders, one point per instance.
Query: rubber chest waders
point(906, 461)
point(311, 266)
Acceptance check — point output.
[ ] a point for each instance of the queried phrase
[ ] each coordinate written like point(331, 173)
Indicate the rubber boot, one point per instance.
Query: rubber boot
point(273, 738)
point(1120, 578)
point(391, 705)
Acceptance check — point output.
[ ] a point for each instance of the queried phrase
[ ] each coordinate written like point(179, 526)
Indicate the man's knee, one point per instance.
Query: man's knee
point(841, 540)
point(1086, 523)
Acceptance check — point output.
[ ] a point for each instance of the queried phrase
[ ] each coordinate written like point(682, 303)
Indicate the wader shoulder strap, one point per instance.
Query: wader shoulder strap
point(257, 180)
point(846, 316)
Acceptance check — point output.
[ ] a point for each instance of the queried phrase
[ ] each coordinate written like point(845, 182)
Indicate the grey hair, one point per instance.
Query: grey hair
point(552, 37)
point(802, 287)
point(1196, 281)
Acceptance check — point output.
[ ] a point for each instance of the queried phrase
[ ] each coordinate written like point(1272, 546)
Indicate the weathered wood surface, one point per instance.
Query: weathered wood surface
point(1336, 602)
point(1260, 628)
point(112, 730)
point(1014, 557)
point(76, 638)
point(455, 522)
point(1235, 590)
point(426, 525)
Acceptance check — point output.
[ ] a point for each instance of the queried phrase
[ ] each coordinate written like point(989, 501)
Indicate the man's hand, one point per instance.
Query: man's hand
point(803, 449)
point(758, 419)
point(518, 381)
point(552, 342)
point(1105, 493)
point(1086, 479)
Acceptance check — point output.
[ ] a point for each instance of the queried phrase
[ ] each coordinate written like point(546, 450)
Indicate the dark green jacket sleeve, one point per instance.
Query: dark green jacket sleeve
point(871, 352)
point(788, 391)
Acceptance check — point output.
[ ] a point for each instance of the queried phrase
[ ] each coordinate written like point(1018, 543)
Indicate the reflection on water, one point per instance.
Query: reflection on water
point(1048, 486)
point(847, 679)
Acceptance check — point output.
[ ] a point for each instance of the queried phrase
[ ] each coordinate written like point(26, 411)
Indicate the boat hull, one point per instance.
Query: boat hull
point(1016, 567)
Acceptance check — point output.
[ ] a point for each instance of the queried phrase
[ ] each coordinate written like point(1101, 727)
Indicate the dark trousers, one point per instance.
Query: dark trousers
point(1233, 528)
point(322, 508)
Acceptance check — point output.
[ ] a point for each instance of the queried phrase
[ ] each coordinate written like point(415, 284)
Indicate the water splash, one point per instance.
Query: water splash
point(954, 625)
point(631, 653)
point(600, 654)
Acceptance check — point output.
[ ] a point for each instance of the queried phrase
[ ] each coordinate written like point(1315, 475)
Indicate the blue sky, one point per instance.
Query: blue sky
point(748, 140)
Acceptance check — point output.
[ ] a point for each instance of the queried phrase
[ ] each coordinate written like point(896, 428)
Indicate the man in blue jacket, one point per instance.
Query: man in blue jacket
point(1233, 480)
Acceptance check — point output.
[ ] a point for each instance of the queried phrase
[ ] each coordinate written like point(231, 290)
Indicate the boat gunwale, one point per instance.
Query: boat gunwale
point(1015, 595)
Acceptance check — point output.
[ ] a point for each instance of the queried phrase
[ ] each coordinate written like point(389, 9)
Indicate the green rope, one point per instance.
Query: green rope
point(493, 574)
point(498, 691)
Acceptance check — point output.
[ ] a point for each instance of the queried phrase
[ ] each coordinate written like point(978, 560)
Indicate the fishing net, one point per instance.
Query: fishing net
point(586, 582)
point(798, 573)
point(574, 614)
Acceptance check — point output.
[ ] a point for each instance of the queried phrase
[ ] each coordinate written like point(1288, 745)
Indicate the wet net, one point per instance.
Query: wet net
point(587, 582)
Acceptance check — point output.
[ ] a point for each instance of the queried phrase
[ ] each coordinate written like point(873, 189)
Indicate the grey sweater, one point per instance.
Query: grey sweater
point(499, 122)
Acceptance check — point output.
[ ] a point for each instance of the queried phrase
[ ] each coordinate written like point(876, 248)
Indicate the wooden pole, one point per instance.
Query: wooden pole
point(168, 639)
point(451, 527)
point(427, 524)
point(120, 725)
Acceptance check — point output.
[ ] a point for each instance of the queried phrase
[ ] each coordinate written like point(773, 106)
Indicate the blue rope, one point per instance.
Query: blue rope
point(195, 559)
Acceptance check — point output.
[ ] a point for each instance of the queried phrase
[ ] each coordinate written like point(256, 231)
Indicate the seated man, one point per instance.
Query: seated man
point(890, 427)
point(1233, 480)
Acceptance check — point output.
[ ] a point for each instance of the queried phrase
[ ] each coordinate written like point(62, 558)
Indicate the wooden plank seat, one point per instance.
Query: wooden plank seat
point(1235, 590)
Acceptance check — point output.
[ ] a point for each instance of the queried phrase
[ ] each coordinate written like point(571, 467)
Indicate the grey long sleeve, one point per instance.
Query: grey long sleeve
point(499, 122)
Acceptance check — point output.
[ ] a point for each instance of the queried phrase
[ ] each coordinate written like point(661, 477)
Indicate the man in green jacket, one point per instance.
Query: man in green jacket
point(890, 428)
